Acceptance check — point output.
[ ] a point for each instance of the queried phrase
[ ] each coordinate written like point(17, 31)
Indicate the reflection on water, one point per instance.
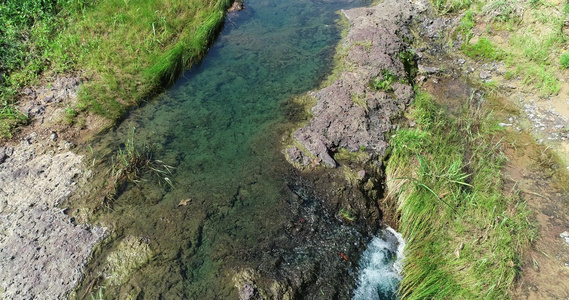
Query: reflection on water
point(216, 127)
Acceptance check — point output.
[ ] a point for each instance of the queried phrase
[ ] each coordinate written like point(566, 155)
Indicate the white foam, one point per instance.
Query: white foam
point(380, 267)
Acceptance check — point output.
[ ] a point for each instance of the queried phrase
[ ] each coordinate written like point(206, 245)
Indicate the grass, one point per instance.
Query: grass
point(128, 50)
point(464, 235)
point(127, 166)
point(535, 44)
point(482, 49)
point(448, 6)
point(361, 101)
point(466, 24)
point(346, 215)
point(384, 82)
point(564, 60)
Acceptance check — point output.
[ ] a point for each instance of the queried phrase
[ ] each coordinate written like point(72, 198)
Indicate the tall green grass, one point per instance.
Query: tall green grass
point(128, 49)
point(464, 234)
point(141, 46)
point(26, 26)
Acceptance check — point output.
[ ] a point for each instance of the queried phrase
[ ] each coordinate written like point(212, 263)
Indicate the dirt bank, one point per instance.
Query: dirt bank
point(535, 143)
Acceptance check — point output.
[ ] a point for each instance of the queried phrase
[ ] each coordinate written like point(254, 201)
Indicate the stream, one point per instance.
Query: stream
point(226, 205)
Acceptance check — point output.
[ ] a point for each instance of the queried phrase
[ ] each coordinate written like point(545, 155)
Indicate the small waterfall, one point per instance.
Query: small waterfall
point(380, 267)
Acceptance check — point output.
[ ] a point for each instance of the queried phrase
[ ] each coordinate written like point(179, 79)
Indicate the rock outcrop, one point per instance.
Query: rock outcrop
point(42, 250)
point(356, 110)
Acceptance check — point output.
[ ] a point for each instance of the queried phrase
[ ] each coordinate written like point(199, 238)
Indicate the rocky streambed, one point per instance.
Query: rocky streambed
point(337, 196)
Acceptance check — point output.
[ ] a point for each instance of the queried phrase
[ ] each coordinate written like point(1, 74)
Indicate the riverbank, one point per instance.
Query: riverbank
point(68, 71)
point(331, 212)
point(121, 53)
point(458, 153)
point(467, 63)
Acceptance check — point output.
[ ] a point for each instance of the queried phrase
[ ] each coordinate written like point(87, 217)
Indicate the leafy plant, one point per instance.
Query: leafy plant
point(384, 82)
point(346, 215)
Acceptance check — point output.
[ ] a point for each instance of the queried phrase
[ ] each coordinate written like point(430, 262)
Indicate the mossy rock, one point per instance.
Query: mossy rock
point(131, 254)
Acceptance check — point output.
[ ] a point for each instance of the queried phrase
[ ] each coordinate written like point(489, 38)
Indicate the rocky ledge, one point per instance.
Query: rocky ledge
point(356, 111)
point(42, 250)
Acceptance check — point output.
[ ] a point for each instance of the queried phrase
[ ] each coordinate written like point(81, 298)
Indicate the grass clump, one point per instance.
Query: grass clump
point(504, 10)
point(127, 166)
point(466, 24)
point(448, 6)
point(464, 235)
point(483, 49)
point(346, 215)
point(564, 60)
point(361, 101)
point(541, 77)
point(384, 82)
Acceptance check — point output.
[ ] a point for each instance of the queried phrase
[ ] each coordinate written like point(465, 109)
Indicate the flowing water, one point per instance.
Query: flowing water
point(218, 128)
point(380, 267)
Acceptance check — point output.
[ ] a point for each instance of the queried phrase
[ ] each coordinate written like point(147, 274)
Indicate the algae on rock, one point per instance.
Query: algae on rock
point(131, 254)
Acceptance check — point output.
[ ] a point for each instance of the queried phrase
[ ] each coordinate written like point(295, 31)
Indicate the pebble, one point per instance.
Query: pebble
point(485, 75)
point(565, 235)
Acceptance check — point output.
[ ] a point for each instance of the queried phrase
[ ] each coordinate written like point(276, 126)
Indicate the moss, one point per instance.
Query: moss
point(130, 255)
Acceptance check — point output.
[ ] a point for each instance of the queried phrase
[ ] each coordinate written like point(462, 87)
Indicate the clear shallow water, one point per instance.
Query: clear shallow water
point(218, 127)
point(380, 267)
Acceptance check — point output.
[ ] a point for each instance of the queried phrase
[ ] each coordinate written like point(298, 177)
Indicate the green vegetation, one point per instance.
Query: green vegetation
point(360, 156)
point(127, 49)
point(466, 24)
point(360, 101)
point(384, 82)
point(447, 6)
point(464, 235)
point(483, 49)
point(564, 60)
point(128, 164)
point(534, 52)
point(346, 215)
point(408, 59)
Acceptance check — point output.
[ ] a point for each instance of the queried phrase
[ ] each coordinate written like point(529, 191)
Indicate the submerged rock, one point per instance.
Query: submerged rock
point(131, 254)
point(356, 110)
